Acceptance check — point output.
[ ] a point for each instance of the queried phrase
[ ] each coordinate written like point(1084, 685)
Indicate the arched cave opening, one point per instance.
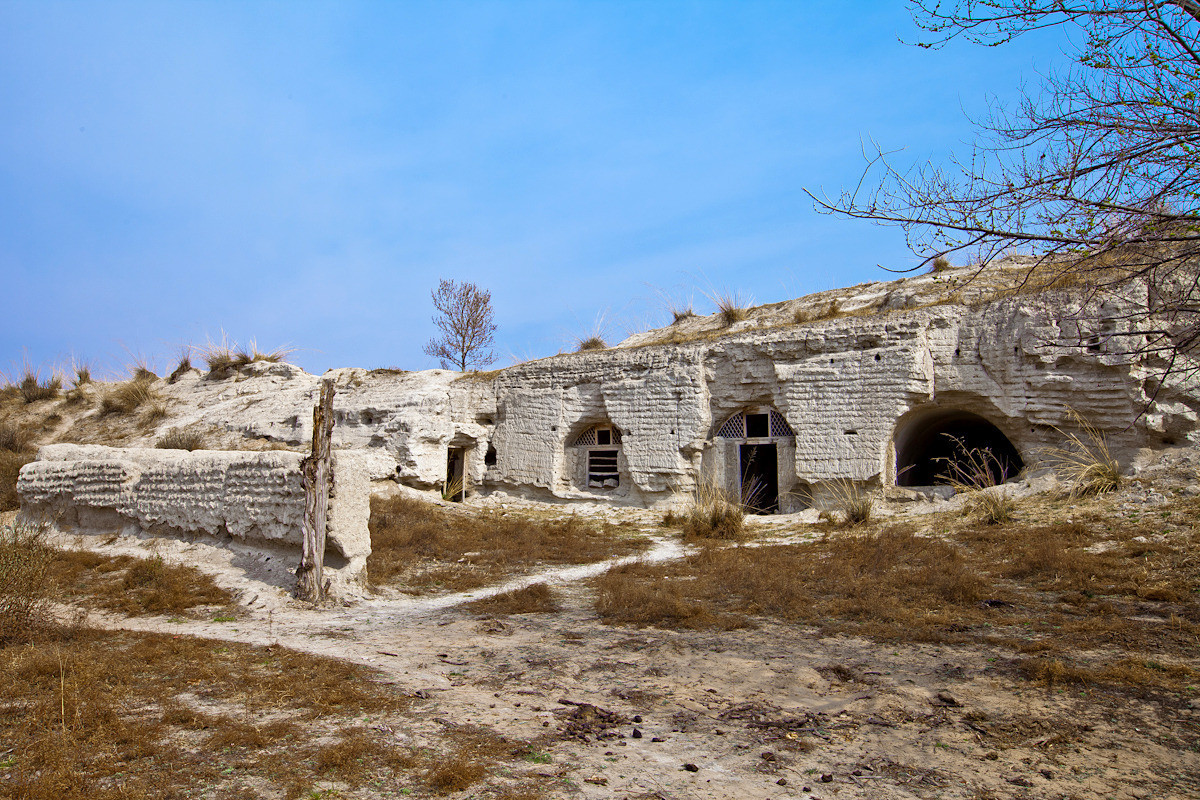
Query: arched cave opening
point(928, 446)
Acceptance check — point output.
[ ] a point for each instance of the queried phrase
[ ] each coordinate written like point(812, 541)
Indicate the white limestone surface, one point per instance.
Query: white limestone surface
point(250, 497)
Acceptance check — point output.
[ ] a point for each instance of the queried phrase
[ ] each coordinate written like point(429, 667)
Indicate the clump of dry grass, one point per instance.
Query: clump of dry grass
point(978, 473)
point(589, 343)
point(731, 306)
point(1084, 460)
point(32, 388)
point(940, 264)
point(227, 357)
point(713, 513)
point(851, 500)
point(25, 594)
point(536, 598)
point(182, 368)
point(179, 439)
point(16, 450)
point(83, 375)
point(427, 547)
point(129, 396)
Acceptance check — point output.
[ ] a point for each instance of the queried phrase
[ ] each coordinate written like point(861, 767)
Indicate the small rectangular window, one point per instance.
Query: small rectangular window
point(603, 436)
point(757, 425)
point(602, 469)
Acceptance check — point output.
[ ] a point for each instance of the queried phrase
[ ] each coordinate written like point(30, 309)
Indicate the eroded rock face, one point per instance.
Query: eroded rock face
point(252, 497)
point(860, 384)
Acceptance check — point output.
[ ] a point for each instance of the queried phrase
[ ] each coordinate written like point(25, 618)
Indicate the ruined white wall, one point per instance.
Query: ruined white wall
point(844, 384)
point(253, 497)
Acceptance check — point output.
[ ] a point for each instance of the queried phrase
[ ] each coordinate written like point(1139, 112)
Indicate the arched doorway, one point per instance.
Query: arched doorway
point(758, 434)
point(929, 443)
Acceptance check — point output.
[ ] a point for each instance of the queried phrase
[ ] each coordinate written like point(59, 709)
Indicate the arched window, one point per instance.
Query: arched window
point(763, 423)
point(603, 445)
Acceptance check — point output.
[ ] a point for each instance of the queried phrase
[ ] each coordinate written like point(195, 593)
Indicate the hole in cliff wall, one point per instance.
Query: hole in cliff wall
point(928, 444)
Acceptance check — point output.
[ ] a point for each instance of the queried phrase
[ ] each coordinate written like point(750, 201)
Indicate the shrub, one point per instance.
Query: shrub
point(14, 438)
point(176, 439)
point(32, 388)
point(25, 558)
point(10, 468)
point(713, 513)
point(1084, 461)
point(940, 264)
point(128, 397)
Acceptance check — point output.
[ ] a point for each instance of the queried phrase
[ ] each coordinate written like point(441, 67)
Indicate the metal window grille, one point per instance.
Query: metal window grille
point(588, 437)
point(735, 426)
point(779, 425)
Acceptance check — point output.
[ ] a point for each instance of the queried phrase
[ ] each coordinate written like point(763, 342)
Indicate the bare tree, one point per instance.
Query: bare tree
point(1096, 174)
point(464, 317)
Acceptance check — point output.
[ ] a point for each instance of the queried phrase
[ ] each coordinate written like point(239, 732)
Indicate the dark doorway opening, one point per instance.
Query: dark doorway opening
point(928, 447)
point(455, 488)
point(760, 478)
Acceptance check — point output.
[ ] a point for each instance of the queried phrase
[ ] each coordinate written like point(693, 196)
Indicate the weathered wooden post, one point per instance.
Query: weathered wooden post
point(317, 474)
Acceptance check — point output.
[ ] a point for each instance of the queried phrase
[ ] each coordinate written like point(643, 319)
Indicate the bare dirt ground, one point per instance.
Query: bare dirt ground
point(773, 712)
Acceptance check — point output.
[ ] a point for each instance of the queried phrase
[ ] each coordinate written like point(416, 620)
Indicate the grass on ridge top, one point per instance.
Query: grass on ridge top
point(424, 547)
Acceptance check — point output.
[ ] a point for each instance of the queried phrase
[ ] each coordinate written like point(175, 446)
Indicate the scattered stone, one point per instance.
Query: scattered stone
point(1047, 774)
point(658, 739)
point(947, 699)
point(1020, 781)
point(636, 734)
point(781, 782)
point(637, 718)
point(826, 778)
point(691, 767)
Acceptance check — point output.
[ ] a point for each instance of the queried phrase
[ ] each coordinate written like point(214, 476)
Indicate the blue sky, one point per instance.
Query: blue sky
point(303, 173)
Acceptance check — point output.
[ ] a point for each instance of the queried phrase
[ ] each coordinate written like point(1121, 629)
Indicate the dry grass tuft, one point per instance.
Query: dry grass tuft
point(25, 594)
point(227, 357)
point(15, 438)
point(731, 306)
point(978, 473)
point(129, 396)
point(1084, 461)
point(713, 513)
point(536, 598)
point(425, 547)
point(32, 388)
point(851, 500)
point(178, 439)
point(590, 343)
point(10, 469)
point(83, 375)
point(182, 368)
